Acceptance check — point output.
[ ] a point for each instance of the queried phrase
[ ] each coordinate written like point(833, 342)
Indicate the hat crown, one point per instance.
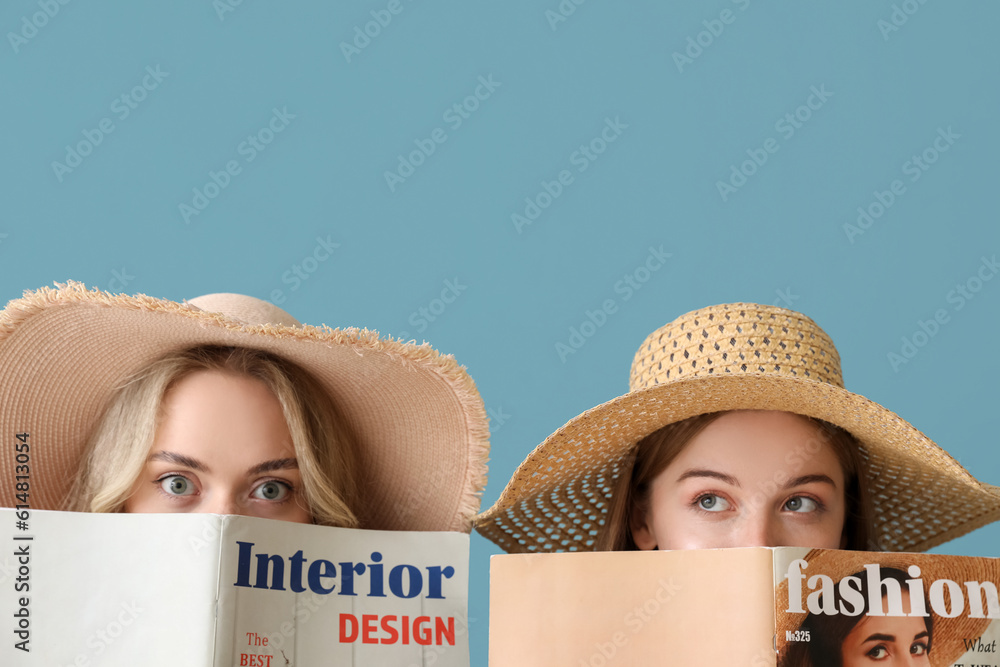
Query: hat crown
point(246, 309)
point(736, 338)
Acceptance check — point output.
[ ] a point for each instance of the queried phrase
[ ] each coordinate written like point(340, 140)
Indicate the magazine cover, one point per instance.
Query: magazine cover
point(753, 606)
point(592, 609)
point(202, 589)
point(849, 608)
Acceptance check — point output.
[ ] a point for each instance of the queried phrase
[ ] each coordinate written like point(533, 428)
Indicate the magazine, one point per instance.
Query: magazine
point(760, 607)
point(207, 590)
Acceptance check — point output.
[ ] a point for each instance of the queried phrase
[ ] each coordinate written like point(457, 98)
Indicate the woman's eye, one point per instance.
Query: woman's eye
point(712, 503)
point(271, 490)
point(801, 504)
point(177, 485)
point(918, 648)
point(879, 652)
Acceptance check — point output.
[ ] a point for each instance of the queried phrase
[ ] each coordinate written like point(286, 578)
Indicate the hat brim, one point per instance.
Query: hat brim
point(557, 497)
point(418, 420)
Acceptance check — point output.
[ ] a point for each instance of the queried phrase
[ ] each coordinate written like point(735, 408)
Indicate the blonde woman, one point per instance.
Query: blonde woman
point(221, 429)
point(227, 404)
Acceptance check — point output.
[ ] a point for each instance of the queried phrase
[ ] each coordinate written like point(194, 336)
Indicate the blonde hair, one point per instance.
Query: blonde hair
point(631, 490)
point(120, 443)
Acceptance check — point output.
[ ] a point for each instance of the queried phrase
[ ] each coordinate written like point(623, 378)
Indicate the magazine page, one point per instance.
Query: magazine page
point(84, 590)
point(859, 608)
point(295, 594)
point(706, 607)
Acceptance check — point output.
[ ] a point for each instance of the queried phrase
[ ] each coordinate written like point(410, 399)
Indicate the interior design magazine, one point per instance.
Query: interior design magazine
point(206, 590)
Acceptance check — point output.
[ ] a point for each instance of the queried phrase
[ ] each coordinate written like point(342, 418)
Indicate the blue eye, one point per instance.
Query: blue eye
point(801, 504)
point(712, 503)
point(272, 490)
point(176, 485)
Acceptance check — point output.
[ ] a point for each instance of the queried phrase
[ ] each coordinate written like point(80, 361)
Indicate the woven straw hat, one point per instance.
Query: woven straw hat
point(417, 418)
point(948, 633)
point(737, 356)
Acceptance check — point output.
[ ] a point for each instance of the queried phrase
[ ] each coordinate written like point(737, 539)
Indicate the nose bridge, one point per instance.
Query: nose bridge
point(222, 501)
point(760, 528)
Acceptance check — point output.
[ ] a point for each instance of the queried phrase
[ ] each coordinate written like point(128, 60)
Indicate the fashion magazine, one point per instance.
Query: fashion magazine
point(761, 607)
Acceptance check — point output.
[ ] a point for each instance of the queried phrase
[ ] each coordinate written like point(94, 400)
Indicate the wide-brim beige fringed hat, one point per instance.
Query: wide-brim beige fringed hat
point(417, 419)
point(949, 635)
point(737, 356)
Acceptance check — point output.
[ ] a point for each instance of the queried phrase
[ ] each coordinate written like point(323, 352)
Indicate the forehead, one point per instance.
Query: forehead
point(220, 415)
point(903, 628)
point(761, 441)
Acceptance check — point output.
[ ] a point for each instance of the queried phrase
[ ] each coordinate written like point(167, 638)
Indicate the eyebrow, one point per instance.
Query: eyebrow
point(809, 479)
point(732, 481)
point(891, 638)
point(195, 464)
point(275, 464)
point(713, 474)
point(179, 459)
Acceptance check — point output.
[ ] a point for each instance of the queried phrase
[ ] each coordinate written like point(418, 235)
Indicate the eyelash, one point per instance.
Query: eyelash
point(696, 503)
point(158, 483)
point(820, 507)
point(289, 487)
point(175, 498)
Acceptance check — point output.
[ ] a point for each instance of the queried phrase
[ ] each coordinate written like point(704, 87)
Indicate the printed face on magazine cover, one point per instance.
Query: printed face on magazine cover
point(222, 446)
point(887, 640)
point(750, 478)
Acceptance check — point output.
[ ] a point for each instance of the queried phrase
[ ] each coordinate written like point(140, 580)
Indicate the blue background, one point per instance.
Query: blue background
point(893, 78)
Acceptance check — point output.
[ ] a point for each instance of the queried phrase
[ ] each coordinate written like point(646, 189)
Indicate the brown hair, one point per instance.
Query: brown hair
point(120, 443)
point(651, 456)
